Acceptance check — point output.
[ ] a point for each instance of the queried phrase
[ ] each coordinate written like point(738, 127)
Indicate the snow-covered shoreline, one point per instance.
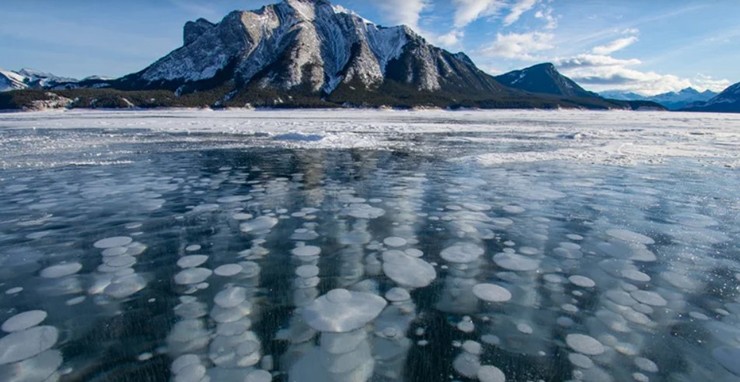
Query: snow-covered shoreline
point(601, 137)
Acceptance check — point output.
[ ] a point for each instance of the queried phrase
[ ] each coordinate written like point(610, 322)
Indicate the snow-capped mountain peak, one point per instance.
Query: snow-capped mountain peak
point(307, 45)
point(671, 100)
point(29, 79)
point(10, 80)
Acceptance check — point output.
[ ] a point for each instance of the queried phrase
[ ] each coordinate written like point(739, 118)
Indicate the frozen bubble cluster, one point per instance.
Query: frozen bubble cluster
point(191, 276)
point(462, 253)
point(259, 225)
point(25, 344)
point(400, 246)
point(116, 276)
point(341, 311)
point(406, 270)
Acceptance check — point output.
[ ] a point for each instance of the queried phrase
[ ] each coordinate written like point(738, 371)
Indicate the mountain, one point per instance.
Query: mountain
point(310, 53)
point(308, 47)
point(30, 79)
point(11, 81)
point(622, 96)
point(726, 102)
point(543, 79)
point(671, 100)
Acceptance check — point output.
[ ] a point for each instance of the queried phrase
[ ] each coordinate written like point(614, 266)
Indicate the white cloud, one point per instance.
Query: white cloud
point(704, 82)
point(615, 45)
point(623, 78)
point(452, 40)
point(546, 15)
point(467, 11)
point(601, 72)
point(519, 46)
point(517, 10)
point(592, 60)
point(406, 12)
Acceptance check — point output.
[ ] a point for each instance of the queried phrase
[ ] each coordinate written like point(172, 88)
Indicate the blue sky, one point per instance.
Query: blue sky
point(637, 45)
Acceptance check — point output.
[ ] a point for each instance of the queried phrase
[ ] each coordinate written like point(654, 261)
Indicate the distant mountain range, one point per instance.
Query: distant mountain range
point(726, 102)
point(30, 79)
point(671, 100)
point(308, 53)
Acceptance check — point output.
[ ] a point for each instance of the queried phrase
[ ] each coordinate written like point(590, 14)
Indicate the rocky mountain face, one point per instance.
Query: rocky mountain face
point(11, 81)
point(309, 46)
point(30, 79)
point(671, 100)
point(310, 53)
point(726, 102)
point(543, 79)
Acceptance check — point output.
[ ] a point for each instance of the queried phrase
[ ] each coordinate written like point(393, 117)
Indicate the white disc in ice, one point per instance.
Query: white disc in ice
point(192, 276)
point(397, 295)
point(342, 311)
point(629, 236)
point(307, 271)
point(230, 297)
point(228, 270)
point(306, 251)
point(462, 253)
point(491, 374)
point(584, 344)
point(517, 263)
point(25, 344)
point(192, 261)
point(60, 270)
point(394, 241)
point(23, 321)
point(117, 241)
point(407, 271)
point(649, 298)
point(582, 281)
point(491, 292)
point(259, 224)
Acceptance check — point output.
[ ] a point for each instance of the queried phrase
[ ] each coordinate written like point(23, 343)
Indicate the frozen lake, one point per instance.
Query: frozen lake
point(369, 246)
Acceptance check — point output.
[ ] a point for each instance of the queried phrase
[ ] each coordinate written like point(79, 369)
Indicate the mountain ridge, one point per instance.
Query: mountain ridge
point(30, 79)
point(728, 101)
point(310, 53)
point(543, 78)
point(671, 100)
point(305, 44)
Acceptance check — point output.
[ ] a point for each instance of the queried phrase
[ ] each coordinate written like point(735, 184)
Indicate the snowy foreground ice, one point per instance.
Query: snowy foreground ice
point(369, 246)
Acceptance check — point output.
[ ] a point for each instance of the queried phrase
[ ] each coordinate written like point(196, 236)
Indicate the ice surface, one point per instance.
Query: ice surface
point(619, 138)
point(632, 248)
